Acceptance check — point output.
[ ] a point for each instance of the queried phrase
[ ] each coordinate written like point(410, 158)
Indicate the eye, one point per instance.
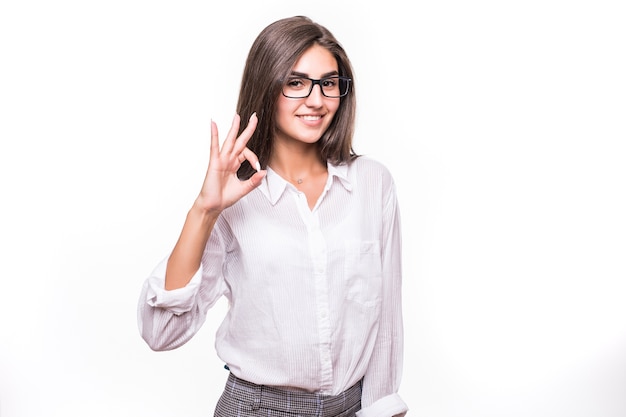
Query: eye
point(330, 82)
point(295, 83)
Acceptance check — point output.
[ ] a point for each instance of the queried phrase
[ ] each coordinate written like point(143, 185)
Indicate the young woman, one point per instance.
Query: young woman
point(301, 235)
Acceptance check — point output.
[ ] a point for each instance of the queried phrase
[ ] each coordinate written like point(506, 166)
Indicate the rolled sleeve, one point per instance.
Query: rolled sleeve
point(178, 301)
point(389, 406)
point(168, 318)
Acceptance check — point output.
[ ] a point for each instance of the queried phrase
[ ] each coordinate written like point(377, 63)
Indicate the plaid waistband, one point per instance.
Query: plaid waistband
point(261, 396)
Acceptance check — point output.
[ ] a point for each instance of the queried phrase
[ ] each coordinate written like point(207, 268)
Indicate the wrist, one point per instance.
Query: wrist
point(201, 213)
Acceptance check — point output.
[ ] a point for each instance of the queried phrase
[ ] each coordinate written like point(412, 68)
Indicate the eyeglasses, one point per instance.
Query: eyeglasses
point(301, 87)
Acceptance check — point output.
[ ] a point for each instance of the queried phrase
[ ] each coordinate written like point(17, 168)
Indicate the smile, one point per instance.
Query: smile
point(311, 118)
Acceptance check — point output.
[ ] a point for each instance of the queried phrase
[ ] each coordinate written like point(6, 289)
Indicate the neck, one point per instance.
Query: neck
point(297, 167)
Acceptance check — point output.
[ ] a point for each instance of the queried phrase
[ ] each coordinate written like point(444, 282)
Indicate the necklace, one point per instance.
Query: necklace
point(290, 179)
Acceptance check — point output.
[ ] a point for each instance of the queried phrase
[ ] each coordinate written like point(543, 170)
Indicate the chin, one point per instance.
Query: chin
point(310, 140)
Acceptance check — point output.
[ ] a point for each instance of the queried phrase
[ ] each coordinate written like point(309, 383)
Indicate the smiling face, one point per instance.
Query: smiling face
point(304, 120)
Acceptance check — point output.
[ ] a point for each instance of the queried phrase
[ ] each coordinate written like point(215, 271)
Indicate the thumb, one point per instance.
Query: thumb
point(256, 178)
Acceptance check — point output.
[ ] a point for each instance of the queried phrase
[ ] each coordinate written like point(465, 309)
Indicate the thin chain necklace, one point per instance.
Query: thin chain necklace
point(298, 181)
point(291, 180)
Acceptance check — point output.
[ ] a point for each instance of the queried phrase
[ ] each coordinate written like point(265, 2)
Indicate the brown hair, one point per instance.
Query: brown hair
point(271, 58)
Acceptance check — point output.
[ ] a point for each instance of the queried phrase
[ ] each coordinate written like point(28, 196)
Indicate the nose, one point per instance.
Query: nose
point(316, 97)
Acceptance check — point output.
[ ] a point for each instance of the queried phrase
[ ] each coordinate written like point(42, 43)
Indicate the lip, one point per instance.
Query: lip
point(311, 119)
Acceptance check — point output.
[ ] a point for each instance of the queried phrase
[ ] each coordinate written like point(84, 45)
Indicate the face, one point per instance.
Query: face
point(304, 120)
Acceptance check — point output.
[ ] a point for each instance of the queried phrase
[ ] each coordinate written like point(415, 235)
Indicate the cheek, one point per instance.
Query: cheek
point(284, 109)
point(282, 115)
point(284, 104)
point(332, 108)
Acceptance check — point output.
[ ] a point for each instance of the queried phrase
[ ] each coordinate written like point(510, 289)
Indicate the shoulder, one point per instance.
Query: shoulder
point(367, 167)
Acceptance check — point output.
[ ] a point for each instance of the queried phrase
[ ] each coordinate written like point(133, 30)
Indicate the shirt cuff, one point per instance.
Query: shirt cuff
point(178, 301)
point(391, 405)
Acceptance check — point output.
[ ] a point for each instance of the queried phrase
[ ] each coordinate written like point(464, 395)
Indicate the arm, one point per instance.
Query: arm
point(382, 379)
point(221, 189)
point(175, 298)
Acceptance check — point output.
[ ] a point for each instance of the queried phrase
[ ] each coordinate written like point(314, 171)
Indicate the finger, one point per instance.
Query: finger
point(256, 179)
point(229, 142)
point(251, 157)
point(245, 136)
point(215, 142)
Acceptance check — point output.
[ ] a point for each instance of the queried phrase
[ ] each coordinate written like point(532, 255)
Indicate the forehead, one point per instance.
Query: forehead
point(316, 62)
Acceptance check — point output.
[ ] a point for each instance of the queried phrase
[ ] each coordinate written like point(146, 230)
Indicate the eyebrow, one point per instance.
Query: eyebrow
point(302, 74)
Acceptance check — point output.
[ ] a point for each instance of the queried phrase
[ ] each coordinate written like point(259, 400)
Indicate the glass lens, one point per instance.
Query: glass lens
point(297, 87)
point(335, 86)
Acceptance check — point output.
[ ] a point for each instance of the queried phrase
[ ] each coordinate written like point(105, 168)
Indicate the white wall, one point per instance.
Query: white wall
point(503, 122)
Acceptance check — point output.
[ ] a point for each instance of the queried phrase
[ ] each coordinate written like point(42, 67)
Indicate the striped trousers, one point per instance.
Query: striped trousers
point(245, 399)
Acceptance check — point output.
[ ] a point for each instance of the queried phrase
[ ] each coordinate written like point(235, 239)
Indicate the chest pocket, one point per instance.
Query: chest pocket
point(363, 272)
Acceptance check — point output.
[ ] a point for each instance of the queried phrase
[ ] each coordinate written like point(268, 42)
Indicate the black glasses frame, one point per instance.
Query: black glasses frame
point(314, 81)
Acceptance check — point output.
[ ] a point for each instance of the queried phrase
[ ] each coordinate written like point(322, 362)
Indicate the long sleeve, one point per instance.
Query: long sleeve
point(382, 379)
point(168, 319)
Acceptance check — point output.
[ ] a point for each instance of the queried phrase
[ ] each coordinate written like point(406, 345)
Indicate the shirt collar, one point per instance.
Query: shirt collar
point(274, 185)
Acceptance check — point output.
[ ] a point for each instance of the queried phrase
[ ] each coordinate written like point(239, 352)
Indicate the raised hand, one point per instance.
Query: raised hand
point(221, 187)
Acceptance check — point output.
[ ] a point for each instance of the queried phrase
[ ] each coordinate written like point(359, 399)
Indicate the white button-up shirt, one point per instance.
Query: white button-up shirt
point(314, 295)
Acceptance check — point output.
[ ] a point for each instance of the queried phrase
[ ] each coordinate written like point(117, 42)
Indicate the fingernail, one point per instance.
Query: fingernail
point(252, 115)
point(258, 166)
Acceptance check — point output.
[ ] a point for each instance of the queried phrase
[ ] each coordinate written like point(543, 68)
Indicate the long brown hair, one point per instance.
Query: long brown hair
point(271, 58)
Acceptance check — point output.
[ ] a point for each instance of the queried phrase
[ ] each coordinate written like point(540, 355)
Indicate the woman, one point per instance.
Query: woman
point(301, 235)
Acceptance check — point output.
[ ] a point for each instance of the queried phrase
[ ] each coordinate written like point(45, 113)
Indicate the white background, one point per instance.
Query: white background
point(502, 121)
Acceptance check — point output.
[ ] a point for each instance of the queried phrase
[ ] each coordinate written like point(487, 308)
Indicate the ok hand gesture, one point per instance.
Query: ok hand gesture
point(221, 187)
